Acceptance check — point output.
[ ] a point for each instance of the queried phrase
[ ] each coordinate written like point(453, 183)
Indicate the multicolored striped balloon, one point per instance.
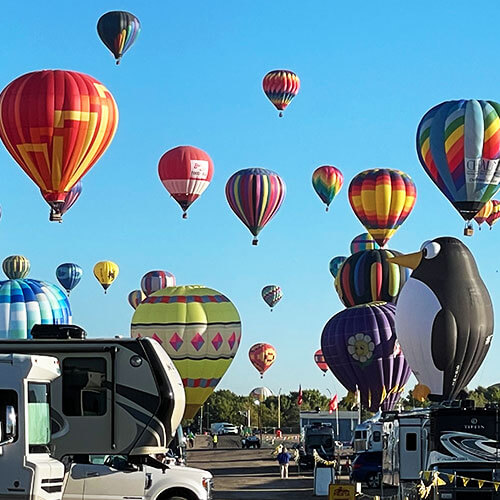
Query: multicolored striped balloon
point(135, 297)
point(118, 30)
point(368, 277)
point(495, 213)
point(199, 328)
point(255, 195)
point(336, 264)
point(272, 294)
point(319, 359)
point(327, 182)
point(484, 213)
point(16, 267)
point(382, 199)
point(156, 280)
point(363, 241)
point(27, 302)
point(262, 356)
point(458, 144)
point(280, 87)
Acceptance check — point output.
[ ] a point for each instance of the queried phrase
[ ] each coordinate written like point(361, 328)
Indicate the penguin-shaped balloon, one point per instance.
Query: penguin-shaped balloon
point(444, 316)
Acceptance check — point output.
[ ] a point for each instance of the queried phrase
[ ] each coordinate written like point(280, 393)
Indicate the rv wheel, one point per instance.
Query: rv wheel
point(373, 481)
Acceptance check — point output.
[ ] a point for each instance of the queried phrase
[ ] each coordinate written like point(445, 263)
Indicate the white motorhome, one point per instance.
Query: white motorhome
point(124, 402)
point(456, 440)
point(368, 435)
point(27, 471)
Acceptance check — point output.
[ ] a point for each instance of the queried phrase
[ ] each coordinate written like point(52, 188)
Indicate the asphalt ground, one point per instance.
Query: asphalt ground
point(251, 474)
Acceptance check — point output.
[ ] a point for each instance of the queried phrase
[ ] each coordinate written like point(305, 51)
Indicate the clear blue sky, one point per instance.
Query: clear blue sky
point(369, 71)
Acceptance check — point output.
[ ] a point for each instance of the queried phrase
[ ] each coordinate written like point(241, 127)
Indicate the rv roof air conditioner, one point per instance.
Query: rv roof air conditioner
point(59, 332)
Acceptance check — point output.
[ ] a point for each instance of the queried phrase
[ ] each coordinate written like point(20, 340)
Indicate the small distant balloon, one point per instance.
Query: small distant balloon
point(272, 294)
point(319, 359)
point(280, 87)
point(106, 272)
point(262, 356)
point(16, 267)
point(136, 297)
point(495, 213)
point(336, 264)
point(69, 275)
point(327, 182)
point(153, 281)
point(363, 241)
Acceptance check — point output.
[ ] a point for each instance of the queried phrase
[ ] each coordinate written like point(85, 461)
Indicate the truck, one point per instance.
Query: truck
point(454, 438)
point(316, 437)
point(116, 404)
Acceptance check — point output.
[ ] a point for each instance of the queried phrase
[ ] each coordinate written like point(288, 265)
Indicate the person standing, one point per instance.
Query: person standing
point(190, 439)
point(284, 460)
point(215, 439)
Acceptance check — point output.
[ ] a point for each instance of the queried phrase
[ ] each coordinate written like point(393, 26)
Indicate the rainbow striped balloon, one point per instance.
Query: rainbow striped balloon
point(280, 87)
point(327, 182)
point(458, 144)
point(382, 199)
point(495, 213)
point(362, 242)
point(255, 195)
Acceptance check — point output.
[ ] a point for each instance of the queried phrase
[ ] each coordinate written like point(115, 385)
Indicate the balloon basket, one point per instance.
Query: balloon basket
point(55, 216)
point(280, 114)
point(326, 210)
point(255, 242)
point(118, 62)
point(468, 231)
point(184, 215)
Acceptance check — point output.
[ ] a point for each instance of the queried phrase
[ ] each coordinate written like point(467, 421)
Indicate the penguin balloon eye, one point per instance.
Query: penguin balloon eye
point(431, 249)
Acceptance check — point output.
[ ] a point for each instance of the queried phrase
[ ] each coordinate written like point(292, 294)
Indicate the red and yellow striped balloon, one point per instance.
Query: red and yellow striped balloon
point(382, 199)
point(280, 87)
point(56, 124)
point(495, 213)
point(484, 213)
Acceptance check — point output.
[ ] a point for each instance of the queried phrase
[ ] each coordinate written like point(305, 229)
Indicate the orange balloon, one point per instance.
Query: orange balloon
point(420, 392)
point(262, 356)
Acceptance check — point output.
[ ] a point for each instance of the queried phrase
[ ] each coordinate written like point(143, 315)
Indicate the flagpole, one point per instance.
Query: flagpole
point(337, 418)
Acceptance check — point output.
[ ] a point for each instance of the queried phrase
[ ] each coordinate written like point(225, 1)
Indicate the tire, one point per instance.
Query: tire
point(373, 480)
point(258, 446)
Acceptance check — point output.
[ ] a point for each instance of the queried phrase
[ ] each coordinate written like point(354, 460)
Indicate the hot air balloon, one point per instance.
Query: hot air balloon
point(495, 213)
point(272, 294)
point(69, 116)
point(16, 267)
point(319, 359)
point(186, 172)
point(280, 87)
point(69, 275)
point(360, 347)
point(255, 195)
point(153, 281)
point(262, 356)
point(69, 201)
point(484, 213)
point(368, 276)
point(444, 316)
point(27, 302)
point(382, 199)
point(327, 182)
point(261, 393)
point(363, 241)
point(336, 264)
point(458, 144)
point(118, 30)
point(135, 297)
point(106, 272)
point(200, 330)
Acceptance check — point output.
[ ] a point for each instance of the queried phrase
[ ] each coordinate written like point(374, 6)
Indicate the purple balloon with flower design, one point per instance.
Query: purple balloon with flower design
point(360, 347)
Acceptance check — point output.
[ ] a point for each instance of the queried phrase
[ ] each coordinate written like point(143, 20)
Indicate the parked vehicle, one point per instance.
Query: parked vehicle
point(250, 442)
point(319, 438)
point(457, 440)
point(222, 428)
point(367, 468)
point(368, 435)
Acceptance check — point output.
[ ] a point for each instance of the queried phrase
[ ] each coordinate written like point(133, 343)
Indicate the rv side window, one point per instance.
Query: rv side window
point(39, 416)
point(84, 387)
point(376, 437)
point(8, 397)
point(411, 441)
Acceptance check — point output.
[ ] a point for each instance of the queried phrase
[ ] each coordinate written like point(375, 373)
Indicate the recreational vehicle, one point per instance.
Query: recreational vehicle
point(368, 435)
point(458, 440)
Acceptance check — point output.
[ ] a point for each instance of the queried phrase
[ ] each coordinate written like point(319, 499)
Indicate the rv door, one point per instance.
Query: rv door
point(410, 452)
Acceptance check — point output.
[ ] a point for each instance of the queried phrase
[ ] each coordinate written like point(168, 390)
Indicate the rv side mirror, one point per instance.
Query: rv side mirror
point(10, 426)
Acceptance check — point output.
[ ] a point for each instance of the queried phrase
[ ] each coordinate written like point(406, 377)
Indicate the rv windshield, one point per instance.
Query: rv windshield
point(38, 417)
point(319, 441)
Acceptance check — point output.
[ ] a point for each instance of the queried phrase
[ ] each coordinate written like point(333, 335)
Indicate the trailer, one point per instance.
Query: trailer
point(455, 439)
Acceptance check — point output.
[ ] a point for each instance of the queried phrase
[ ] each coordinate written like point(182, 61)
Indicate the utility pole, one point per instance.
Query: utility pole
point(208, 417)
point(279, 409)
point(201, 419)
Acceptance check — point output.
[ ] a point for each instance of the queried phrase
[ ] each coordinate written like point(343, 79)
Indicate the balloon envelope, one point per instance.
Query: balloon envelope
point(360, 347)
point(272, 294)
point(69, 116)
point(484, 213)
point(336, 264)
point(200, 330)
point(106, 271)
point(153, 281)
point(262, 356)
point(327, 182)
point(363, 241)
point(495, 213)
point(382, 199)
point(255, 195)
point(186, 172)
point(458, 144)
point(69, 275)
point(368, 276)
point(280, 87)
point(319, 359)
point(135, 297)
point(261, 393)
point(16, 267)
point(118, 30)
point(27, 302)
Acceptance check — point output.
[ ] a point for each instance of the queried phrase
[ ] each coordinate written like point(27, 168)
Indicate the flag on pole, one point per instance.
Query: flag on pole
point(299, 398)
point(334, 404)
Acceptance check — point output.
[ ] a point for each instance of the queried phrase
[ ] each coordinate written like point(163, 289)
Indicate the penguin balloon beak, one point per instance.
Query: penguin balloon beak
point(411, 260)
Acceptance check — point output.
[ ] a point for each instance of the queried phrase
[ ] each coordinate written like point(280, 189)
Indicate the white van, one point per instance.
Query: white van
point(224, 428)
